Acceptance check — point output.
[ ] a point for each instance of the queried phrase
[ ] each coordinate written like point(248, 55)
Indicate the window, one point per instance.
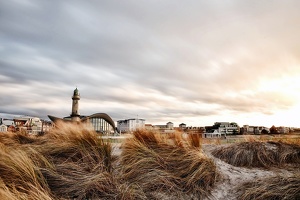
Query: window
point(100, 125)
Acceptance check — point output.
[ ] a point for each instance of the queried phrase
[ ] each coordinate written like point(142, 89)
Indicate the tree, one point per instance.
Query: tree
point(273, 130)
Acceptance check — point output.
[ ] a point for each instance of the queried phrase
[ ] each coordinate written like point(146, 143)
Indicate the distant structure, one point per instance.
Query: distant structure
point(75, 116)
point(254, 129)
point(26, 124)
point(222, 129)
point(130, 125)
point(182, 125)
point(101, 122)
point(3, 128)
point(167, 128)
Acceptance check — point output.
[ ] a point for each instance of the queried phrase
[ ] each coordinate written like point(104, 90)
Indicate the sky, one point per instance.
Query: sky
point(194, 62)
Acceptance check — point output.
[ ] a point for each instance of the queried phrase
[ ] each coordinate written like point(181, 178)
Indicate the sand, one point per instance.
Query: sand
point(232, 176)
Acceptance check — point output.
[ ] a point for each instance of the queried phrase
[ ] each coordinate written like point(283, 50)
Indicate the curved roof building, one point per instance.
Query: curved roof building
point(101, 122)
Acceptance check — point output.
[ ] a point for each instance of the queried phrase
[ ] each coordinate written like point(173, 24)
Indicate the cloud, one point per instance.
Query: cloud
point(167, 60)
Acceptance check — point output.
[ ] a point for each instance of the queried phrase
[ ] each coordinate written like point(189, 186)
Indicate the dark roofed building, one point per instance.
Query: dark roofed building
point(182, 125)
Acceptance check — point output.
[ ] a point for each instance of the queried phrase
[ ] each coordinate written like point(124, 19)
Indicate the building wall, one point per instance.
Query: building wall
point(149, 127)
point(170, 125)
point(226, 127)
point(31, 125)
point(101, 126)
point(182, 125)
point(283, 129)
point(254, 129)
point(3, 128)
point(129, 125)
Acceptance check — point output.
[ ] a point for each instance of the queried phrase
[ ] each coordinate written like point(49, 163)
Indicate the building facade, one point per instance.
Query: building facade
point(31, 125)
point(167, 128)
point(224, 128)
point(254, 129)
point(130, 125)
point(26, 124)
point(101, 123)
point(3, 128)
point(182, 126)
point(229, 128)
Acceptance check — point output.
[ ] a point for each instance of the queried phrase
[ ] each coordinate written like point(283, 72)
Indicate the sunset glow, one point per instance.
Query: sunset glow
point(197, 62)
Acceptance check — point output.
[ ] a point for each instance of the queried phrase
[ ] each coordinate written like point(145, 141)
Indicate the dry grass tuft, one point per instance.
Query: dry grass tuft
point(24, 138)
point(20, 177)
point(195, 140)
point(72, 180)
point(73, 162)
point(251, 138)
point(83, 163)
point(259, 154)
point(70, 161)
point(77, 143)
point(15, 139)
point(272, 188)
point(288, 140)
point(167, 166)
point(128, 191)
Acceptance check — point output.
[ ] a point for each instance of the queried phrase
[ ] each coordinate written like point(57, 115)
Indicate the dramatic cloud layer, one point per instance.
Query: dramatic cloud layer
point(191, 61)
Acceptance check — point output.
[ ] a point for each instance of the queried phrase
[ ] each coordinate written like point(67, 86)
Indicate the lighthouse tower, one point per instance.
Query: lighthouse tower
point(75, 116)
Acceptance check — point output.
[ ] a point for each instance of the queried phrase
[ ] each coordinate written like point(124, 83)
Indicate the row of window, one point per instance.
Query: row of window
point(100, 125)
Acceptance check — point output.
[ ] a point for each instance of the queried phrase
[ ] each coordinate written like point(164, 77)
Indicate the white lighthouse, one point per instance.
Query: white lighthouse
point(75, 116)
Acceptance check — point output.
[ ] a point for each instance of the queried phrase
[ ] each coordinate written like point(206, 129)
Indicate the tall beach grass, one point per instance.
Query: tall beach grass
point(271, 188)
point(259, 154)
point(73, 162)
point(172, 166)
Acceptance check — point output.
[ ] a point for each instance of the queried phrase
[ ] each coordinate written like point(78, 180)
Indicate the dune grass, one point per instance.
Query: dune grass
point(76, 143)
point(82, 163)
point(167, 165)
point(68, 162)
point(73, 162)
point(17, 139)
point(259, 154)
point(271, 188)
point(20, 177)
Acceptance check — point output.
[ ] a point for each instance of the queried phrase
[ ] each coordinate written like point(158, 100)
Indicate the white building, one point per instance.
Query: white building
point(170, 125)
point(215, 134)
point(228, 128)
point(129, 125)
point(3, 128)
